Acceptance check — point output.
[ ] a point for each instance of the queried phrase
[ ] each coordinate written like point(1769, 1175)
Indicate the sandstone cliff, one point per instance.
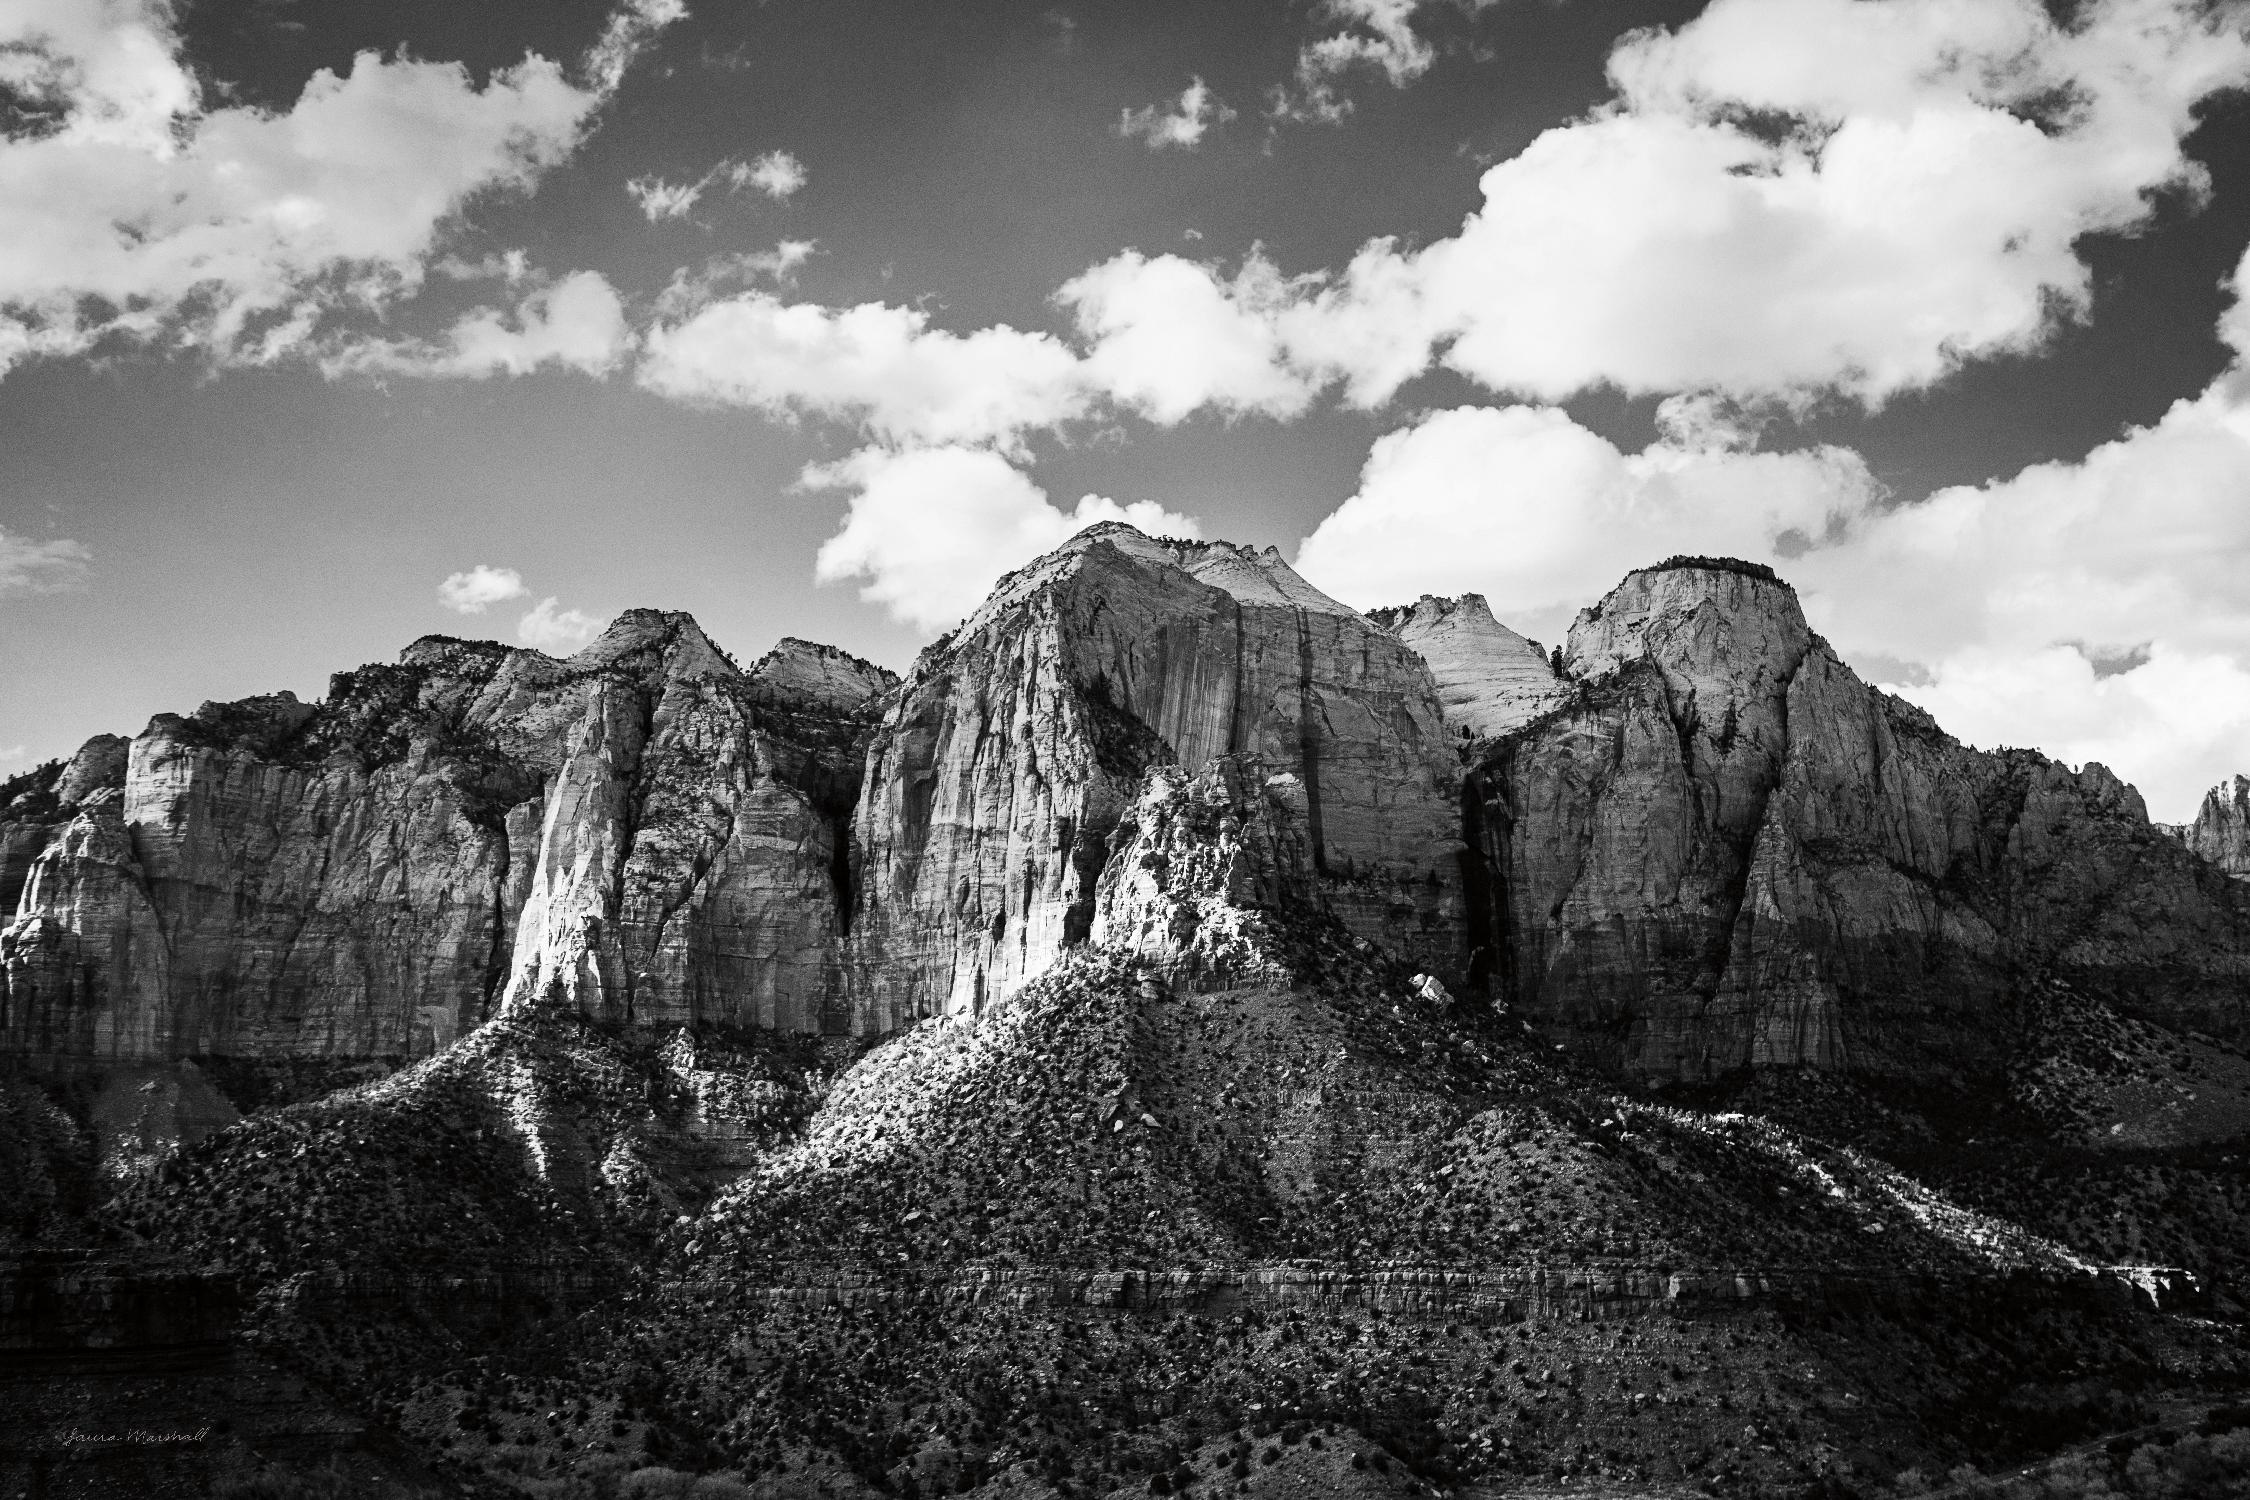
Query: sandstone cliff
point(1725, 850)
point(1489, 678)
point(1020, 740)
point(2221, 830)
point(1705, 846)
point(642, 829)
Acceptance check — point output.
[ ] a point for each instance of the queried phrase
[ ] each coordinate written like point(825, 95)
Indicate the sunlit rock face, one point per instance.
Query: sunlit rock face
point(2221, 830)
point(1725, 850)
point(1703, 846)
point(1018, 742)
point(1489, 679)
point(643, 830)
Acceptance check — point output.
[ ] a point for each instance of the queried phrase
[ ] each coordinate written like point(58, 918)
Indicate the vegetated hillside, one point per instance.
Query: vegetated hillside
point(1129, 1227)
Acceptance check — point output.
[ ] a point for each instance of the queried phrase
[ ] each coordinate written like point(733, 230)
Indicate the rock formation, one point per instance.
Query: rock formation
point(1020, 740)
point(1489, 678)
point(1725, 850)
point(1705, 846)
point(2221, 830)
point(643, 829)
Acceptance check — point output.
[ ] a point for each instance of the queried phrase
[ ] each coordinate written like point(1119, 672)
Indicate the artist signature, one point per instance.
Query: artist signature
point(133, 1436)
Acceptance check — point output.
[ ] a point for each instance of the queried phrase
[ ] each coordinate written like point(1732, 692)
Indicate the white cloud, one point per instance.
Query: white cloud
point(148, 216)
point(1542, 516)
point(29, 567)
point(777, 174)
point(932, 529)
point(1166, 337)
point(693, 289)
point(577, 323)
point(661, 200)
point(1786, 199)
point(878, 365)
point(479, 588)
point(1182, 124)
point(555, 630)
point(2096, 610)
point(14, 755)
point(1377, 33)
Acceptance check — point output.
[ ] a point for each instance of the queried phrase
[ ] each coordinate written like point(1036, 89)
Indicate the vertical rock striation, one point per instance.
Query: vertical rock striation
point(1724, 851)
point(1021, 739)
point(1704, 846)
point(1489, 679)
point(642, 830)
point(2221, 830)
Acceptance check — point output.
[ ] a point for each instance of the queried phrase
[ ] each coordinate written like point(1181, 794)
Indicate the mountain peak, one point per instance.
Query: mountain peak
point(1693, 616)
point(1490, 679)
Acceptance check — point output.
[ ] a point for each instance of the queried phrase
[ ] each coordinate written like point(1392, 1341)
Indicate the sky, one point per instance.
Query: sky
point(326, 327)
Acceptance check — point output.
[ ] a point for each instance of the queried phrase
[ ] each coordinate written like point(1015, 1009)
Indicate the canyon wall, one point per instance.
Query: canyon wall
point(1017, 744)
point(1702, 845)
point(643, 829)
point(1724, 850)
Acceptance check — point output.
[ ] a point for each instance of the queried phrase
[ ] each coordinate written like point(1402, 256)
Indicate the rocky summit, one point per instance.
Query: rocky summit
point(1186, 1036)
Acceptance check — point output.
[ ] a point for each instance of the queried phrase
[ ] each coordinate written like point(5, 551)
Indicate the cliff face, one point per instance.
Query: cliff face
point(1489, 678)
point(1705, 846)
point(2221, 830)
point(1725, 850)
point(373, 875)
point(1012, 752)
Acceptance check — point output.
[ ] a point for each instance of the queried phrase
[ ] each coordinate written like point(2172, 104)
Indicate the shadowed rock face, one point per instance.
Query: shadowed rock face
point(1725, 850)
point(1013, 750)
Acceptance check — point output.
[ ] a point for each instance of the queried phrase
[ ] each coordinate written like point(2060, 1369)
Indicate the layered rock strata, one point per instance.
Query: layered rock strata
point(643, 829)
point(1019, 742)
point(1490, 679)
point(1724, 850)
point(1704, 846)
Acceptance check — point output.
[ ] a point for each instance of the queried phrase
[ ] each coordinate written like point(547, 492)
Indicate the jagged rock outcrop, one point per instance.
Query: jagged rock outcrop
point(1705, 846)
point(1725, 850)
point(642, 830)
point(1489, 678)
point(37, 805)
point(1019, 742)
point(2221, 830)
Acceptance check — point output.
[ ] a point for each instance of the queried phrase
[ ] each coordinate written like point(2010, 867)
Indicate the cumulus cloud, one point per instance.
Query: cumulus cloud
point(477, 589)
point(1785, 199)
point(577, 323)
point(555, 630)
point(930, 530)
point(1181, 124)
point(2097, 610)
point(1167, 337)
point(777, 174)
point(29, 567)
point(877, 365)
point(1542, 516)
point(139, 212)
